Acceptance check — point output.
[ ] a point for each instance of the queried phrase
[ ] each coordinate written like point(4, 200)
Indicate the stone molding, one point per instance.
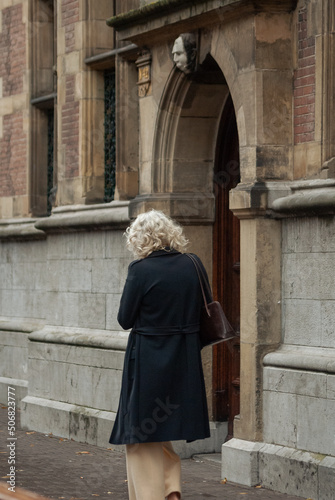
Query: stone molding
point(307, 198)
point(251, 200)
point(138, 18)
point(283, 199)
point(20, 229)
point(106, 60)
point(14, 325)
point(302, 358)
point(311, 475)
point(81, 337)
point(113, 215)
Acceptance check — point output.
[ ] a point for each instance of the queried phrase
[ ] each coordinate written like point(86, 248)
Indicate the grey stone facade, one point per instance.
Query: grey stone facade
point(61, 346)
point(299, 377)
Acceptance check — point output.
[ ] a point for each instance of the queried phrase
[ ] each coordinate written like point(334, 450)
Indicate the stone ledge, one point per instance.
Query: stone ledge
point(109, 216)
point(302, 358)
point(155, 9)
point(251, 200)
point(240, 461)
point(15, 325)
point(20, 386)
point(86, 425)
point(163, 15)
point(308, 198)
point(20, 230)
point(93, 426)
point(116, 340)
point(279, 468)
point(290, 471)
point(279, 199)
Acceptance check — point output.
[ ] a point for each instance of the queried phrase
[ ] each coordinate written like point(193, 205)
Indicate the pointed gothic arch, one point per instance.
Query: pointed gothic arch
point(186, 130)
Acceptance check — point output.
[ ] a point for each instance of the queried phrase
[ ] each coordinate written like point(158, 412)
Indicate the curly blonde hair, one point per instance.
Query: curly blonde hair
point(152, 231)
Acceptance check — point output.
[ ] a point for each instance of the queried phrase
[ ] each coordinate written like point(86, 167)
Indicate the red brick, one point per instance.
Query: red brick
point(13, 145)
point(306, 52)
point(13, 156)
point(305, 110)
point(70, 129)
point(304, 84)
point(303, 138)
point(12, 50)
point(306, 80)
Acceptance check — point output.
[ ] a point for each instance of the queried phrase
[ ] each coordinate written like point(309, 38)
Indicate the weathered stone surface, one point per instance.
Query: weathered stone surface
point(67, 420)
point(326, 478)
point(280, 418)
point(245, 454)
point(80, 217)
point(316, 425)
point(302, 322)
point(295, 382)
point(289, 471)
point(17, 387)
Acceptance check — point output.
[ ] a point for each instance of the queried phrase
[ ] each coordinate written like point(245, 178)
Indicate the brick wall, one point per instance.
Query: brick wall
point(304, 84)
point(13, 141)
point(13, 156)
point(70, 128)
point(70, 108)
point(70, 16)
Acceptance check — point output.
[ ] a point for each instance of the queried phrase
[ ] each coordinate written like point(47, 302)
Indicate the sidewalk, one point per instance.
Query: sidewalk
point(66, 470)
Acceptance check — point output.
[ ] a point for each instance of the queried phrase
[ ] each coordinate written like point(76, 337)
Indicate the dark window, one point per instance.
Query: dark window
point(51, 135)
point(109, 135)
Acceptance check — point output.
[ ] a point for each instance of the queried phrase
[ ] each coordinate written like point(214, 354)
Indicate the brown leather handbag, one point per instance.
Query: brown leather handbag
point(214, 326)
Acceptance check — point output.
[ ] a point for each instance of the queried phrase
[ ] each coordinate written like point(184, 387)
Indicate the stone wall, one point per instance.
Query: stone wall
point(308, 281)
point(70, 279)
point(299, 380)
point(296, 454)
point(61, 347)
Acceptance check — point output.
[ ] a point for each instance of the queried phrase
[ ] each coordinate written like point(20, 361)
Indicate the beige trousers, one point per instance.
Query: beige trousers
point(153, 471)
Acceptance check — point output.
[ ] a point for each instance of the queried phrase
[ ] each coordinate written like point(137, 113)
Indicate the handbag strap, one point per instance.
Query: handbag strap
point(200, 274)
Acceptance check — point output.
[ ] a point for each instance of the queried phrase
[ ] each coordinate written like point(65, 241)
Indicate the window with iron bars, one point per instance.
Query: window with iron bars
point(110, 140)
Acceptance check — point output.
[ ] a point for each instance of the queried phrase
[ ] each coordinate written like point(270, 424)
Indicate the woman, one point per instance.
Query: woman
point(163, 393)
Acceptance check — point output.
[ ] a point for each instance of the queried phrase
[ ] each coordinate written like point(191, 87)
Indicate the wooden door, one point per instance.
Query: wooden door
point(226, 271)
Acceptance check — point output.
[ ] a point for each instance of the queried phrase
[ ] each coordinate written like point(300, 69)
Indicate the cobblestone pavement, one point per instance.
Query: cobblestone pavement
point(66, 470)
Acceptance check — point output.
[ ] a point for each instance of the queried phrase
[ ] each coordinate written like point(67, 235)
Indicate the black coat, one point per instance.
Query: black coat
point(163, 393)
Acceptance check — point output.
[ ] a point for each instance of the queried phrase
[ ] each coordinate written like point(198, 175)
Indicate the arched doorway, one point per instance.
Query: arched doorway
point(226, 269)
point(196, 143)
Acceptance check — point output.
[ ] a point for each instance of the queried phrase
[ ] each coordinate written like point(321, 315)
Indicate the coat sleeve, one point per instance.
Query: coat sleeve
point(130, 299)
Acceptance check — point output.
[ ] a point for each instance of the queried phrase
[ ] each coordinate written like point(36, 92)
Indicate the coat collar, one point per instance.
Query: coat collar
point(159, 253)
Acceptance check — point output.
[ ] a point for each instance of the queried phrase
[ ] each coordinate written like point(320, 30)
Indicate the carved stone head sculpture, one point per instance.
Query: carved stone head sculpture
point(184, 52)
